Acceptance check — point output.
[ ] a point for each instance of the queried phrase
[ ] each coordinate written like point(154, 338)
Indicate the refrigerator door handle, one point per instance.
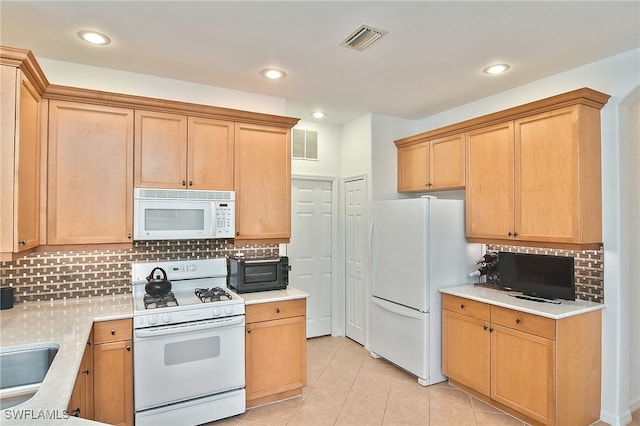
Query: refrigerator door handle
point(371, 249)
point(396, 309)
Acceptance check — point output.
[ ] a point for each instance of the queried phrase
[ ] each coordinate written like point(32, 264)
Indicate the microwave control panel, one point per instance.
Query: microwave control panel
point(225, 220)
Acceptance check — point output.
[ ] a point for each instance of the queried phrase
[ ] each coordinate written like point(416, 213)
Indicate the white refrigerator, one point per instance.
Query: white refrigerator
point(418, 247)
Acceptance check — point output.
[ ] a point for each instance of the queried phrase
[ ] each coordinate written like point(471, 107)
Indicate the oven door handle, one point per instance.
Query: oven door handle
point(189, 327)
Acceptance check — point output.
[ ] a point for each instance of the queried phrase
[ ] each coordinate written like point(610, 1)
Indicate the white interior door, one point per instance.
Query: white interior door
point(311, 250)
point(357, 235)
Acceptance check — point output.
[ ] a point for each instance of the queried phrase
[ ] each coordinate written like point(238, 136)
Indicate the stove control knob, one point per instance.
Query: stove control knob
point(216, 312)
point(166, 318)
point(228, 310)
point(153, 320)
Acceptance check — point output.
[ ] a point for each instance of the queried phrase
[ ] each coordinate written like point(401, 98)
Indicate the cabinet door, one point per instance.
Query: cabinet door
point(160, 150)
point(210, 153)
point(90, 176)
point(27, 201)
point(523, 373)
point(275, 356)
point(489, 205)
point(413, 168)
point(262, 182)
point(447, 163)
point(547, 190)
point(81, 402)
point(113, 383)
point(20, 192)
point(466, 350)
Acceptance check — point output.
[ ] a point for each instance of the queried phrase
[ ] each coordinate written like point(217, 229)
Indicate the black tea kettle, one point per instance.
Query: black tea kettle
point(157, 285)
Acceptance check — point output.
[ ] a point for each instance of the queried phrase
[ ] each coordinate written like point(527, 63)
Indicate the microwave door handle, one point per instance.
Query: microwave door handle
point(214, 214)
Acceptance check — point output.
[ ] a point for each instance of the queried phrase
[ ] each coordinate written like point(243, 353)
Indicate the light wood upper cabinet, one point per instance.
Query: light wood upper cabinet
point(210, 154)
point(490, 182)
point(20, 163)
point(431, 164)
point(176, 151)
point(537, 178)
point(262, 182)
point(558, 177)
point(90, 175)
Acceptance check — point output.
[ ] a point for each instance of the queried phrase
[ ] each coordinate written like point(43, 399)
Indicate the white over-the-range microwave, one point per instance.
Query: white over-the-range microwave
point(177, 214)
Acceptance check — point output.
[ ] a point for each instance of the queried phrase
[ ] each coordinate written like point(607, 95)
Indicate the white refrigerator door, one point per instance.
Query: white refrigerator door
point(401, 337)
point(400, 257)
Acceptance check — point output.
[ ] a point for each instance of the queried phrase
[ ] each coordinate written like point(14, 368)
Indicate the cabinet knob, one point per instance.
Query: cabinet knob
point(184, 183)
point(277, 310)
point(486, 327)
point(248, 330)
point(129, 235)
point(76, 412)
point(515, 234)
point(510, 233)
point(113, 332)
point(129, 348)
point(518, 321)
point(190, 183)
point(462, 306)
point(491, 330)
point(23, 242)
point(237, 233)
point(86, 372)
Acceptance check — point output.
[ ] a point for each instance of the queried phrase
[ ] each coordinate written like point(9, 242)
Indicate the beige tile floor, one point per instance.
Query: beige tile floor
point(346, 386)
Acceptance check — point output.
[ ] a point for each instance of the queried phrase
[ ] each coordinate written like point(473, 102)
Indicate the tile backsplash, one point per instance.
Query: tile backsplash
point(70, 274)
point(588, 268)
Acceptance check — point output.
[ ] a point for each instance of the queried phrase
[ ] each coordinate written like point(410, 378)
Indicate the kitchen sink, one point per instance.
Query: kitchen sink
point(22, 369)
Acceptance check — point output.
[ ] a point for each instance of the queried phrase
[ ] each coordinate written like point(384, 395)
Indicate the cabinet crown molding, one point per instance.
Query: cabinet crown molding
point(27, 63)
point(583, 96)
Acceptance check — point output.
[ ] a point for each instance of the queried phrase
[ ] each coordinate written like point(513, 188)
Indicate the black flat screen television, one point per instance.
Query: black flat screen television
point(548, 277)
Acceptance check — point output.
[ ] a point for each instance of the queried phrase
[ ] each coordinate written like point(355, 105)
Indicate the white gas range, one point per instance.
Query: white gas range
point(188, 344)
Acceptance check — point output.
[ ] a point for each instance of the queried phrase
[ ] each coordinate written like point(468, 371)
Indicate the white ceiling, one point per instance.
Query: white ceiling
point(430, 61)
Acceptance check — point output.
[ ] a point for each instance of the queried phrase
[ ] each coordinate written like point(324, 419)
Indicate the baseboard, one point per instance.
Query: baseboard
point(621, 420)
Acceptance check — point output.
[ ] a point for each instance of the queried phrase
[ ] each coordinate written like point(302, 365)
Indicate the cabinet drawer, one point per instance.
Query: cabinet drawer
point(468, 307)
point(275, 310)
point(112, 331)
point(528, 323)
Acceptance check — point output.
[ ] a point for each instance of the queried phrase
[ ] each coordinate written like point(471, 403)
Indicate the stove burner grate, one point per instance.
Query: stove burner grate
point(152, 301)
point(215, 294)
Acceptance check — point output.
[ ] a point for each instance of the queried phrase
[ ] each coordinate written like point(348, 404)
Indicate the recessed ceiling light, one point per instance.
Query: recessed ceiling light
point(496, 69)
point(319, 114)
point(273, 73)
point(94, 37)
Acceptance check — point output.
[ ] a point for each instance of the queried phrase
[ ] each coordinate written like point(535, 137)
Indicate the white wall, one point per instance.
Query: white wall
point(385, 130)
point(617, 76)
point(110, 80)
point(630, 197)
point(329, 151)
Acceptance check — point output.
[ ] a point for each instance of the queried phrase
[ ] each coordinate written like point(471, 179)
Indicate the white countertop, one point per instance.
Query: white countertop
point(566, 308)
point(68, 324)
point(290, 293)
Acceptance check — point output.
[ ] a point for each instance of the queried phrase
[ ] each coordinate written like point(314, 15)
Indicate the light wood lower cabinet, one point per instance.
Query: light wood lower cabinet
point(81, 402)
point(543, 370)
point(113, 367)
point(275, 345)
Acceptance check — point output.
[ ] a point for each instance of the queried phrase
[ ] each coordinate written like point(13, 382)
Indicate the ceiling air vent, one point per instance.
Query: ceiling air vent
point(363, 37)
